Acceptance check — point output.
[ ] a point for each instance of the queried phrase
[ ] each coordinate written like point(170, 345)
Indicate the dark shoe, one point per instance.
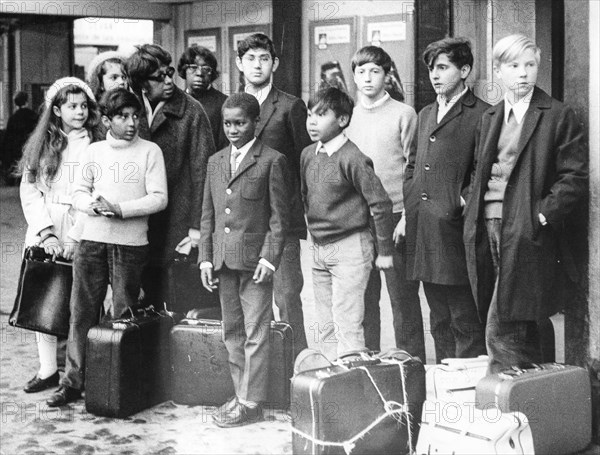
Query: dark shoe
point(239, 415)
point(63, 396)
point(37, 384)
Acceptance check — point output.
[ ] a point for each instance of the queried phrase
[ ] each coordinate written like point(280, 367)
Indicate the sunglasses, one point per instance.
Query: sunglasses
point(160, 77)
point(204, 70)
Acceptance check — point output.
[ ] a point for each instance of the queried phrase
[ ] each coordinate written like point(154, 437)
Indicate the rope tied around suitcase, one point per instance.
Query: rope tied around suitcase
point(392, 409)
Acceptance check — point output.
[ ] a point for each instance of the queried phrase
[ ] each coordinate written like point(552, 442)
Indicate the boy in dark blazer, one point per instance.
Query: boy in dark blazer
point(531, 173)
point(436, 177)
point(243, 228)
point(282, 126)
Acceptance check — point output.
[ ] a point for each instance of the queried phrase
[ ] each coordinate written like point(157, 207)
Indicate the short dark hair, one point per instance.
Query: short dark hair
point(256, 41)
point(189, 58)
point(332, 98)
point(114, 101)
point(457, 49)
point(21, 98)
point(147, 59)
point(246, 102)
point(372, 54)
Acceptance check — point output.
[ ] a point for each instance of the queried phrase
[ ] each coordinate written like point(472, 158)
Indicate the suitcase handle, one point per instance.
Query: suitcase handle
point(306, 354)
point(396, 354)
point(366, 358)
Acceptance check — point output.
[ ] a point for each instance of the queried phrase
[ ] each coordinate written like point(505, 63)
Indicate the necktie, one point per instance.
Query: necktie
point(322, 149)
point(512, 118)
point(234, 157)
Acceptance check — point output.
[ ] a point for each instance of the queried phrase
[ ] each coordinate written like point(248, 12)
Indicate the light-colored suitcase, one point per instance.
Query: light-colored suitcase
point(455, 379)
point(447, 428)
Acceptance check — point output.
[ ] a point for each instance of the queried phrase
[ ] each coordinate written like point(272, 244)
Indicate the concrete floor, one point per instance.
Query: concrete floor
point(29, 426)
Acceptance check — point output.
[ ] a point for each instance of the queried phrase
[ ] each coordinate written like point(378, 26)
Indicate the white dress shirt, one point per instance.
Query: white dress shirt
point(332, 145)
point(444, 104)
point(260, 95)
point(519, 109)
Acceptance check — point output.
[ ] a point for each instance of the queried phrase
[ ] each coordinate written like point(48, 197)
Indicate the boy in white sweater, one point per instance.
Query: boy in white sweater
point(118, 184)
point(383, 128)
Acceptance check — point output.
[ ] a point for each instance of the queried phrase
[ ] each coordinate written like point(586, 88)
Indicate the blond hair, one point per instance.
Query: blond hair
point(510, 47)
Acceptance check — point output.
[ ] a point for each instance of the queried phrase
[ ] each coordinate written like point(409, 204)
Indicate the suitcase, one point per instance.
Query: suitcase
point(450, 429)
point(185, 286)
point(127, 364)
point(455, 379)
point(367, 406)
point(200, 372)
point(556, 399)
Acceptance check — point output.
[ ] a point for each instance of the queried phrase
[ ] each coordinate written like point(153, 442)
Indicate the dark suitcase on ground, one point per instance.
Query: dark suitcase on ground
point(200, 368)
point(363, 406)
point(185, 286)
point(556, 399)
point(127, 364)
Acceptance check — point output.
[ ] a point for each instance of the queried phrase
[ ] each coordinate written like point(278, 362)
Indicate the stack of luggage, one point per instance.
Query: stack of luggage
point(363, 403)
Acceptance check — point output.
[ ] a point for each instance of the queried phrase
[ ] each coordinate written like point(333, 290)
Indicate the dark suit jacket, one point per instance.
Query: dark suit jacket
point(182, 131)
point(439, 168)
point(550, 176)
point(282, 127)
point(245, 217)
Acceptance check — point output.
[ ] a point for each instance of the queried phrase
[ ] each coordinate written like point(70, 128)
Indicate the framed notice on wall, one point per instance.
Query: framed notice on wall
point(332, 44)
point(209, 38)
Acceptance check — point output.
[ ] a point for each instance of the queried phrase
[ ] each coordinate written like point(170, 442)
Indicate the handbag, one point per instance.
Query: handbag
point(43, 294)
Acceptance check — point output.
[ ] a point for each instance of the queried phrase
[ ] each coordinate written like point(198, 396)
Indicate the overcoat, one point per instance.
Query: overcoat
point(182, 130)
point(549, 177)
point(245, 217)
point(438, 170)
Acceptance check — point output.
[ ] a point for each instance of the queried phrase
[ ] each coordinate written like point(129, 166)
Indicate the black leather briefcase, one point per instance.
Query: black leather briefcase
point(43, 294)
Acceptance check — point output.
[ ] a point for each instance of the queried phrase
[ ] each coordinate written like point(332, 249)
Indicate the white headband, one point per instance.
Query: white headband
point(64, 82)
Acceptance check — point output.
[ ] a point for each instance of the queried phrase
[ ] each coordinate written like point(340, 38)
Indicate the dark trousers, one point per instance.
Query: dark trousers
point(247, 314)
point(95, 265)
point(406, 305)
point(509, 343)
point(155, 282)
point(455, 325)
point(287, 286)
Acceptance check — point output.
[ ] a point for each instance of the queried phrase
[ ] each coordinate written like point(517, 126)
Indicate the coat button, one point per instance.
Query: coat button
point(432, 138)
point(228, 191)
point(227, 230)
point(424, 196)
point(227, 210)
point(427, 167)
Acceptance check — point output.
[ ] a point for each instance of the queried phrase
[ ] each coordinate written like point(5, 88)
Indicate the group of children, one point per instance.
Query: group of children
point(452, 198)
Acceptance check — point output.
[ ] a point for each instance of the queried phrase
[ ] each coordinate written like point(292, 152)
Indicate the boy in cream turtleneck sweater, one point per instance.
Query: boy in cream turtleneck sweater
point(118, 184)
point(383, 128)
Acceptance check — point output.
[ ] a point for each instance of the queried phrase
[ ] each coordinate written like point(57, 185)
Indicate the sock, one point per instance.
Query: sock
point(248, 403)
point(47, 354)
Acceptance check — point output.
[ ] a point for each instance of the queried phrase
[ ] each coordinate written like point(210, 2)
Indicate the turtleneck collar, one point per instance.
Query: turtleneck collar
point(120, 143)
point(376, 104)
point(76, 134)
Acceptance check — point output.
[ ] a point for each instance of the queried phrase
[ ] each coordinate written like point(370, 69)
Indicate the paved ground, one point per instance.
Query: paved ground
point(29, 426)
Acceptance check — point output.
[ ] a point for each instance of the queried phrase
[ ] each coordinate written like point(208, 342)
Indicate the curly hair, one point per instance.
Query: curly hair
point(189, 58)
